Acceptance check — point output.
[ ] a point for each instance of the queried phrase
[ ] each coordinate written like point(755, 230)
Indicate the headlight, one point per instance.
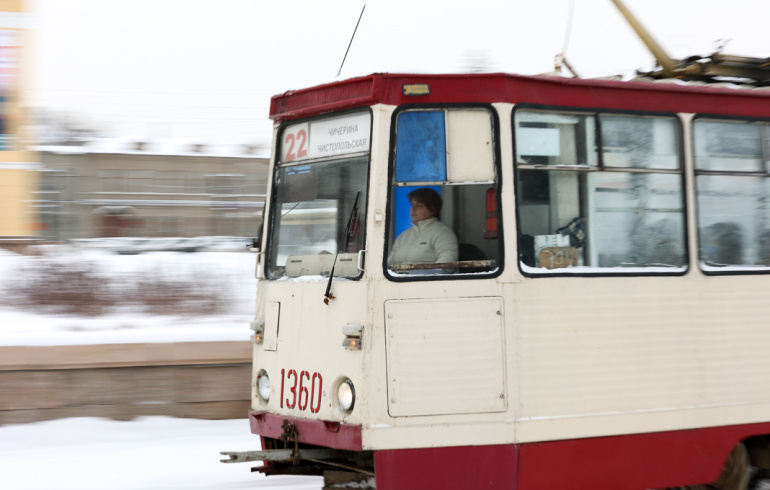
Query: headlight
point(346, 395)
point(263, 386)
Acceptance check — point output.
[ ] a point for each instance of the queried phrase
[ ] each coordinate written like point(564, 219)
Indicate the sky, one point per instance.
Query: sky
point(204, 70)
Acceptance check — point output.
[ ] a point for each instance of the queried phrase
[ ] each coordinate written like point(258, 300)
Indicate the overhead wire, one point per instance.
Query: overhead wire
point(561, 58)
point(568, 32)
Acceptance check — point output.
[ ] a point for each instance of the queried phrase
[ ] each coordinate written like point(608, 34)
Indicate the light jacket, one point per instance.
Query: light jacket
point(425, 242)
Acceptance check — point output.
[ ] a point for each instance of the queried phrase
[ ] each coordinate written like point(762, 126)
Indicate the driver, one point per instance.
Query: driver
point(428, 240)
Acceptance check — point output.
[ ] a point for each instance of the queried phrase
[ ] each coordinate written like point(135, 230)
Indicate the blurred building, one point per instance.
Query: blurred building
point(18, 165)
point(109, 188)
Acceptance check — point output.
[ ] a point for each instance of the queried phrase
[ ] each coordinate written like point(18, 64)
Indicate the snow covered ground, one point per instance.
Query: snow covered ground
point(232, 273)
point(146, 453)
point(151, 453)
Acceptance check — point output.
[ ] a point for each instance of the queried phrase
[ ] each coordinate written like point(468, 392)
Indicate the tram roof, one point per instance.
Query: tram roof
point(669, 95)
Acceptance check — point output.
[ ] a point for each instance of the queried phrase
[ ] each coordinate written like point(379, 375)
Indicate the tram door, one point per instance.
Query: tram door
point(452, 152)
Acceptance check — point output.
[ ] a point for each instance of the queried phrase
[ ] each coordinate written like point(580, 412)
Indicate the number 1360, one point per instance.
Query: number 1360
point(301, 390)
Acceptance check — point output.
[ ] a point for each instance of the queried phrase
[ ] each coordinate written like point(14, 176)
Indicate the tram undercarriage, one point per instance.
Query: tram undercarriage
point(287, 456)
point(747, 467)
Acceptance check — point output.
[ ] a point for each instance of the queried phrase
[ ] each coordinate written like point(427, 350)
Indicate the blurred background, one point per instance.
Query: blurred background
point(103, 136)
point(135, 137)
point(134, 144)
point(144, 118)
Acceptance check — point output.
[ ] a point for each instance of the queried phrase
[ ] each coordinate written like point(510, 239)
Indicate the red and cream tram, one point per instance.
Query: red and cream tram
point(606, 322)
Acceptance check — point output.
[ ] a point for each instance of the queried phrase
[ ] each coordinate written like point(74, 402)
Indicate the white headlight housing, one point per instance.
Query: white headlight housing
point(346, 395)
point(263, 386)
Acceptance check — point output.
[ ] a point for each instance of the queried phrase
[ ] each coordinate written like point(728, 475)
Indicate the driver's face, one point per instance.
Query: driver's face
point(419, 212)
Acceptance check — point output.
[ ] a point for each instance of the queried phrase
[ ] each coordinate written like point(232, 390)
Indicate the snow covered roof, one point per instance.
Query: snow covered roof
point(167, 147)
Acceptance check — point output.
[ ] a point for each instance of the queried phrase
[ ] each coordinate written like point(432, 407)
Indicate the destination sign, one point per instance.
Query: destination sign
point(326, 137)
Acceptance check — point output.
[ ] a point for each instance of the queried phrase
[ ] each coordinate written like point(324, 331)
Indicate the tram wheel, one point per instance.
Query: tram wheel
point(347, 479)
point(735, 475)
point(759, 454)
point(760, 480)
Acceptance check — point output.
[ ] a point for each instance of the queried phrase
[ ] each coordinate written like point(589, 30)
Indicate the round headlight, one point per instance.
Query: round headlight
point(346, 395)
point(263, 386)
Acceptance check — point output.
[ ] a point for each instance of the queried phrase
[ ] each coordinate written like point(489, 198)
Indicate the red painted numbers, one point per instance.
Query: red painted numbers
point(296, 139)
point(312, 393)
point(301, 390)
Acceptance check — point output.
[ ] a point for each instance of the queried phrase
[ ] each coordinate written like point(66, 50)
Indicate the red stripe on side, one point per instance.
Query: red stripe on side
point(317, 432)
point(640, 461)
point(447, 468)
point(632, 462)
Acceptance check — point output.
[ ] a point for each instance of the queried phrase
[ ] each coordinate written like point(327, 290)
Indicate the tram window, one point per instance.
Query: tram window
point(319, 197)
point(313, 205)
point(577, 215)
point(555, 139)
point(732, 188)
point(728, 146)
point(452, 152)
point(423, 153)
point(639, 142)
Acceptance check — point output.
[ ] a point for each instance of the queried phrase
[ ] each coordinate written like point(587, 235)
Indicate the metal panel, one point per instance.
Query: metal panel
point(470, 146)
point(445, 356)
point(640, 354)
point(272, 319)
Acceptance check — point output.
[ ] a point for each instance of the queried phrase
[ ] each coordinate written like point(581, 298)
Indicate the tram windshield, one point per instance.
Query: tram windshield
point(319, 199)
point(316, 217)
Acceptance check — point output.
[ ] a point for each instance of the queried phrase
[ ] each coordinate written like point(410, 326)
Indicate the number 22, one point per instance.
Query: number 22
point(291, 140)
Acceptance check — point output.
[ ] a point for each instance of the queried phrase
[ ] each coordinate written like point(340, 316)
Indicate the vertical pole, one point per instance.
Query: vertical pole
point(660, 54)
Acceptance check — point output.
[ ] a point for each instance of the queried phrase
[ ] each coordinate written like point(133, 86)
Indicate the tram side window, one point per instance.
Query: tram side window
point(599, 192)
point(448, 156)
point(732, 166)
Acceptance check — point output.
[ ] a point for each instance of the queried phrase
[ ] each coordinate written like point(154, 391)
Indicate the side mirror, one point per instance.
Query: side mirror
point(256, 243)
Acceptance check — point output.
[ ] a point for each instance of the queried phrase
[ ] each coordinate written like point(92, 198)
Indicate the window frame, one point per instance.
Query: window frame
point(729, 270)
point(276, 165)
point(497, 183)
point(596, 113)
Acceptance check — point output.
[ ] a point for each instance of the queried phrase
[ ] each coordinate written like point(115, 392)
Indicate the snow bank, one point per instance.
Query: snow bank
point(24, 326)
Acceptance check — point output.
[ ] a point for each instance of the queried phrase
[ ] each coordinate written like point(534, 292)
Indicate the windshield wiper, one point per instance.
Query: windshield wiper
point(344, 240)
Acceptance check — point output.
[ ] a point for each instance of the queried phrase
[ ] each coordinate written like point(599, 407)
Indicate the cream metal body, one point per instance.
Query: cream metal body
point(516, 359)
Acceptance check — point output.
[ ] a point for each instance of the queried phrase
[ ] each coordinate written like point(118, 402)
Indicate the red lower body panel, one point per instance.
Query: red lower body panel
point(448, 468)
point(319, 433)
point(629, 462)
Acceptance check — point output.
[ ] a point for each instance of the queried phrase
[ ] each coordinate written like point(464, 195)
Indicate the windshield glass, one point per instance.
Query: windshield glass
point(319, 210)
